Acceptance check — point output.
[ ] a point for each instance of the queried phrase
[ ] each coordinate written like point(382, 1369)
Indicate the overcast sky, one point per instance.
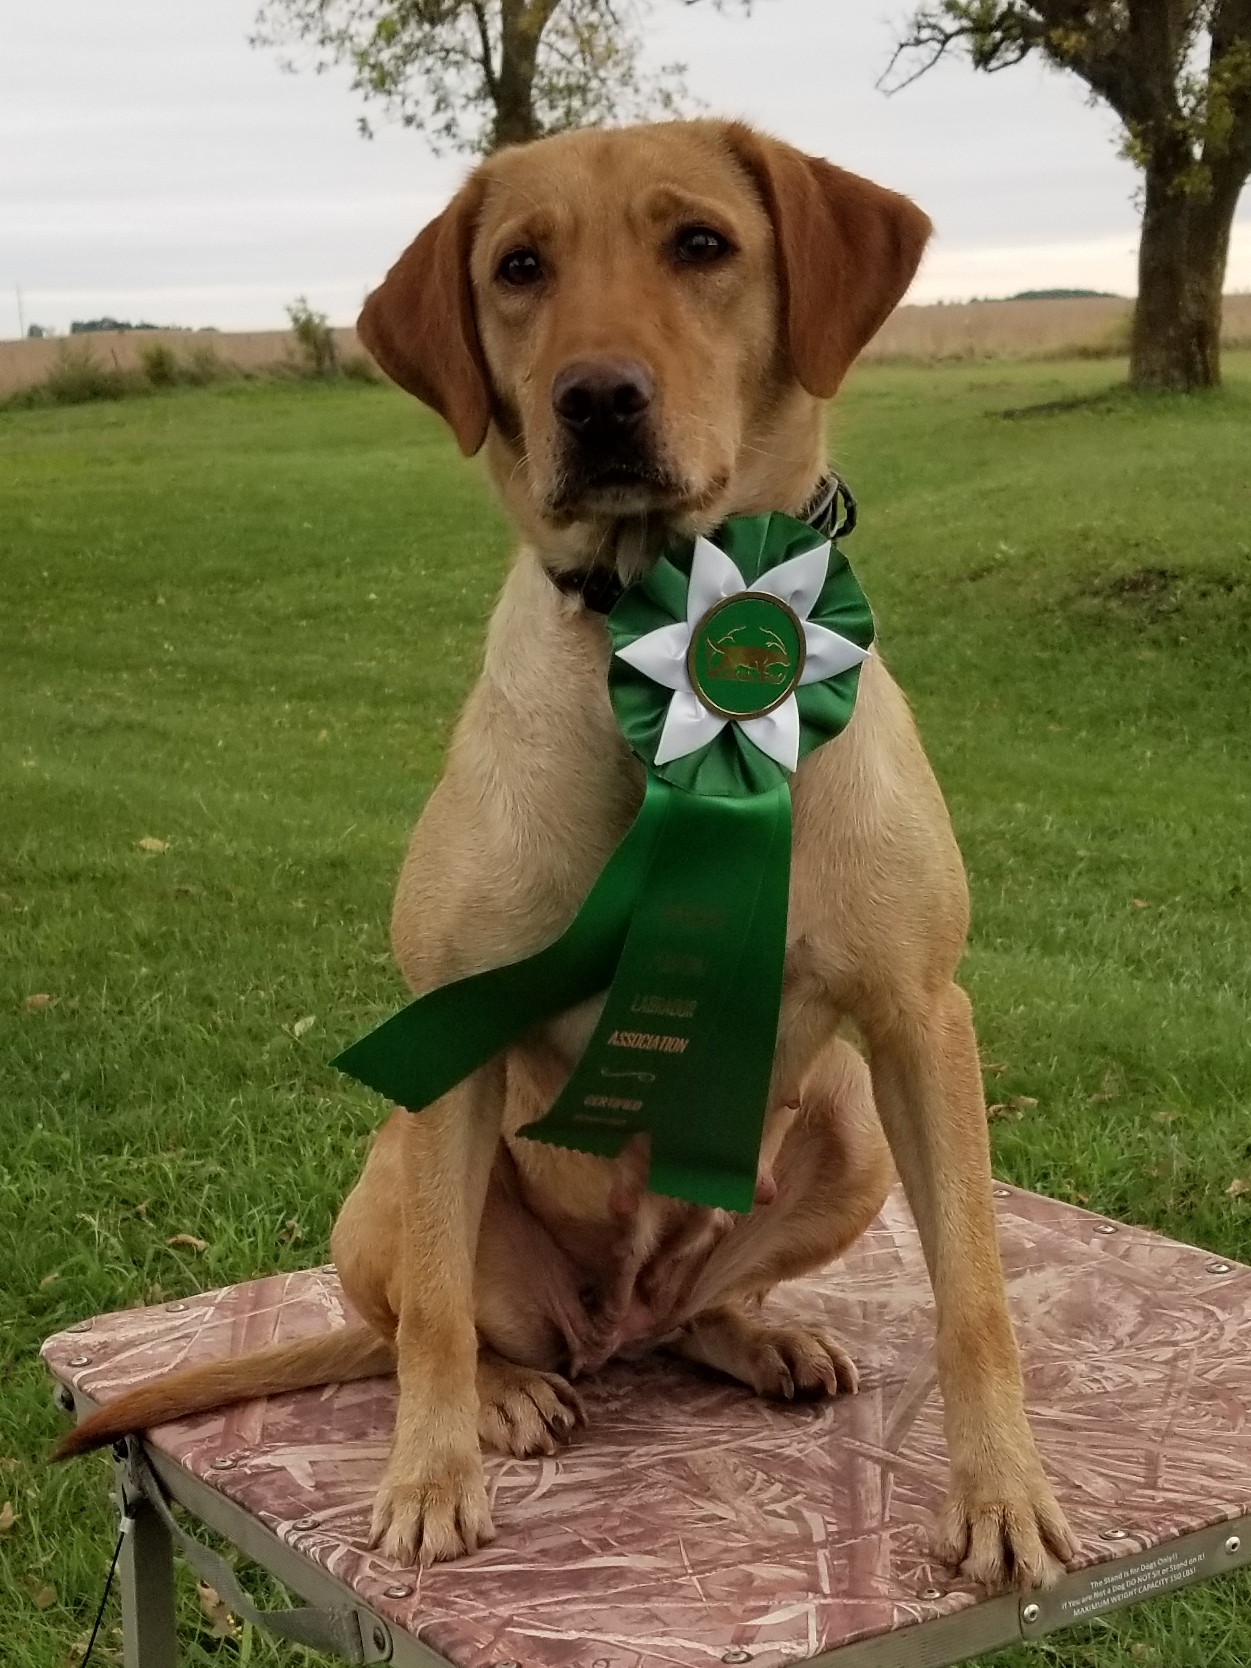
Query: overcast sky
point(154, 165)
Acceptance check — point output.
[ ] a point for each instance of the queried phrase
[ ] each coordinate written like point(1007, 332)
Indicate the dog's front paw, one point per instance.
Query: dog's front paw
point(523, 1411)
point(1005, 1527)
point(429, 1511)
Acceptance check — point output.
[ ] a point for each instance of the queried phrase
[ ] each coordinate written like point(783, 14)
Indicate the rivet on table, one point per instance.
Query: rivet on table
point(1002, 1192)
point(931, 1593)
point(1220, 1268)
point(305, 1523)
point(80, 1361)
point(223, 1462)
point(737, 1655)
point(1233, 1544)
point(1030, 1614)
point(397, 1592)
point(327, 1268)
point(507, 1665)
point(176, 1308)
point(1105, 1227)
point(79, 1326)
point(1112, 1535)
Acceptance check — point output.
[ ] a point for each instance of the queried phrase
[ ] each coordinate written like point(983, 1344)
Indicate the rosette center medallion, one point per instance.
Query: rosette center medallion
point(746, 655)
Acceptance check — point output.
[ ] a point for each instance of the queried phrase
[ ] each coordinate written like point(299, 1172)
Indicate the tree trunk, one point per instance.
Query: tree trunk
point(514, 107)
point(515, 122)
point(1176, 341)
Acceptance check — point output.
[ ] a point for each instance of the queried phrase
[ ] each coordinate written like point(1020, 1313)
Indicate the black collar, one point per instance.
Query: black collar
point(831, 510)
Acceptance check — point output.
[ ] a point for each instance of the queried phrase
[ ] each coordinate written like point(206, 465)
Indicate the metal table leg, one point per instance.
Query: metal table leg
point(146, 1573)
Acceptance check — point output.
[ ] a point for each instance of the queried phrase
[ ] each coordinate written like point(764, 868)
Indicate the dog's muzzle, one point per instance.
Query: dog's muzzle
point(604, 411)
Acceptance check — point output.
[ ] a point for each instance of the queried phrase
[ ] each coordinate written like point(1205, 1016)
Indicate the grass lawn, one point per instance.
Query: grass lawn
point(236, 624)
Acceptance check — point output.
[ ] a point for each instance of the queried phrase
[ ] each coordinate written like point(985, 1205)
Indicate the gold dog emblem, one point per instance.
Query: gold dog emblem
point(767, 662)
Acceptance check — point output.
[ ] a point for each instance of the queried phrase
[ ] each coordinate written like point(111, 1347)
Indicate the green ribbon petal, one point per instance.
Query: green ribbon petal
point(685, 928)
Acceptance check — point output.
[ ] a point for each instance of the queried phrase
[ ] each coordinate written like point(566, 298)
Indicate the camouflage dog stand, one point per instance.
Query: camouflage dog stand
point(691, 1524)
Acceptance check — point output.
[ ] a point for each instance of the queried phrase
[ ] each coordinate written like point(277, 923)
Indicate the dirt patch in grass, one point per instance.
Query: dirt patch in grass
point(1187, 600)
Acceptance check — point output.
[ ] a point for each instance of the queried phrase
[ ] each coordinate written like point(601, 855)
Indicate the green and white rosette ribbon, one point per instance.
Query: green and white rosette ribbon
point(733, 659)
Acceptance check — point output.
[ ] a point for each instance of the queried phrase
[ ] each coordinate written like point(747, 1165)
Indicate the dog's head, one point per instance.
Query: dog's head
point(642, 323)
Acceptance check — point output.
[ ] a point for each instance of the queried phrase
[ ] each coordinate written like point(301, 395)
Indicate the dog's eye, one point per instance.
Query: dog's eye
point(700, 245)
point(520, 267)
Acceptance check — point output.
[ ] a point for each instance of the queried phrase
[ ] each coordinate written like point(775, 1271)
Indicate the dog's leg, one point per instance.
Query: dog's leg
point(432, 1501)
point(1001, 1517)
point(830, 1177)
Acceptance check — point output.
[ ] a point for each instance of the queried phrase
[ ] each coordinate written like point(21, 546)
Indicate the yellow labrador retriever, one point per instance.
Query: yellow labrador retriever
point(642, 327)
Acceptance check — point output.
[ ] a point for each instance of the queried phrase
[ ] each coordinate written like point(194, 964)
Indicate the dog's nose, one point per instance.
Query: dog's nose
point(602, 400)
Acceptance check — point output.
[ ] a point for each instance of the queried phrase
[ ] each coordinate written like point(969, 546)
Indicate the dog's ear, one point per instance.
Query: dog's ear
point(847, 251)
point(419, 323)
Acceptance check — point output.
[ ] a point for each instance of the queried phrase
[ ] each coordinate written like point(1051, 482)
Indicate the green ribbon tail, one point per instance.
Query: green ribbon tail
point(686, 929)
point(427, 1048)
point(684, 1049)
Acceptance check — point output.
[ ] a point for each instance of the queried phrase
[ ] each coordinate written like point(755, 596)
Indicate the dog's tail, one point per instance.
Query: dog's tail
point(332, 1358)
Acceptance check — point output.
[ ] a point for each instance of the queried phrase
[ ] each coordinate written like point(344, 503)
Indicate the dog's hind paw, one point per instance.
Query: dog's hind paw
point(523, 1411)
point(787, 1362)
point(428, 1513)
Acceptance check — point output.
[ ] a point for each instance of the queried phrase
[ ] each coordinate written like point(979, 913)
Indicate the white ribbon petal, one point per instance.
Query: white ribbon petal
point(713, 578)
point(828, 653)
point(661, 655)
point(776, 733)
point(688, 727)
point(797, 582)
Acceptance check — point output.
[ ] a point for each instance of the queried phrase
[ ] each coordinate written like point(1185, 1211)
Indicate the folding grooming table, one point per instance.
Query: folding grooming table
point(692, 1524)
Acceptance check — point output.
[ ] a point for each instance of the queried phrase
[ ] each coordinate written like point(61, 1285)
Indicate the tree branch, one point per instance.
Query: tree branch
point(484, 36)
point(535, 17)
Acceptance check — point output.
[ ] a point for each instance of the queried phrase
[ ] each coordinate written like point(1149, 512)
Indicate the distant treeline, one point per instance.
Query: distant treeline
point(1063, 295)
point(82, 327)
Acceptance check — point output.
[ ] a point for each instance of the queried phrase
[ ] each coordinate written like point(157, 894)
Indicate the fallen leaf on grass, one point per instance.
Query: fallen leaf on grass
point(50, 1279)
point(1012, 1108)
point(34, 1003)
point(215, 1611)
point(8, 1517)
point(1167, 1117)
point(995, 1067)
point(150, 843)
point(44, 1597)
point(1238, 1189)
point(188, 1240)
point(74, 1656)
point(303, 1025)
point(292, 1233)
point(1140, 903)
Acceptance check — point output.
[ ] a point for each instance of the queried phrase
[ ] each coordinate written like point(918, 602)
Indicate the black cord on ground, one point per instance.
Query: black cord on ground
point(104, 1596)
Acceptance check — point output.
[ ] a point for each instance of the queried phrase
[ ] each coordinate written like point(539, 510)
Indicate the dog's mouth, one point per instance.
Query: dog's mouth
point(616, 490)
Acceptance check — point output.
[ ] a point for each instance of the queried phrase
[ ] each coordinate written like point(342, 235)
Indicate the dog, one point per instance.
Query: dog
point(641, 328)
